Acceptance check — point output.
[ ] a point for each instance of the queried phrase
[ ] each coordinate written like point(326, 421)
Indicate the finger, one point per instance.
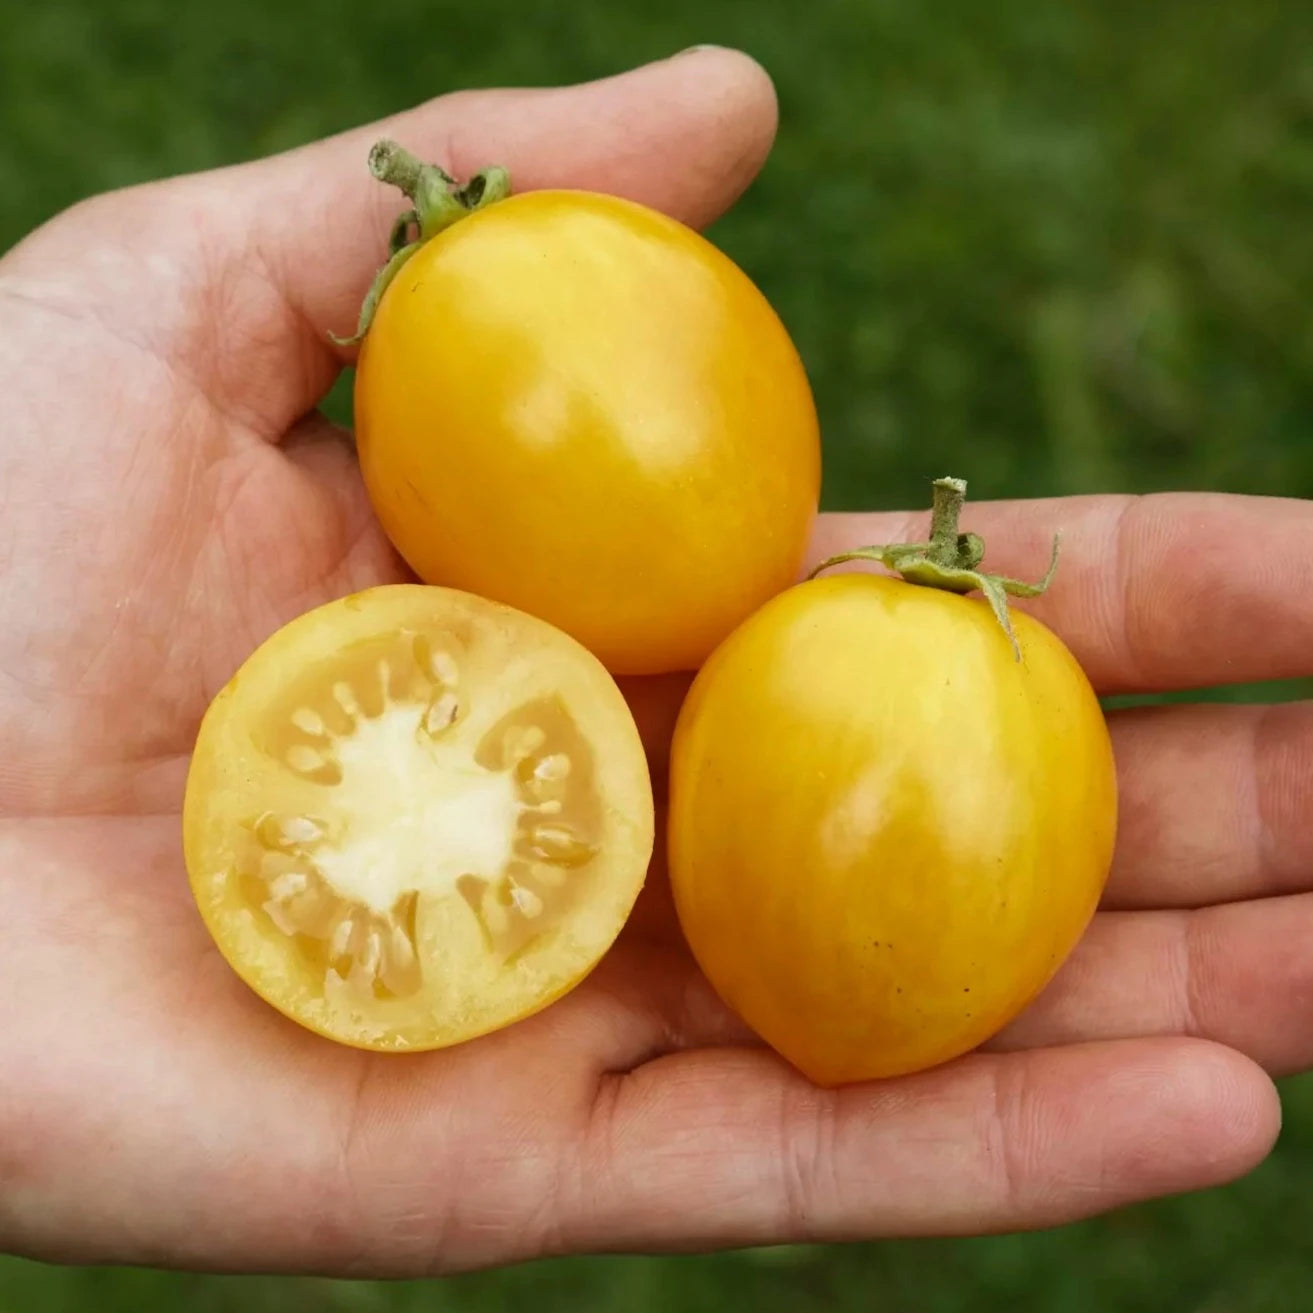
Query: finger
point(645, 999)
point(1196, 833)
point(730, 1147)
point(1214, 804)
point(1171, 591)
point(655, 701)
point(685, 136)
point(1240, 975)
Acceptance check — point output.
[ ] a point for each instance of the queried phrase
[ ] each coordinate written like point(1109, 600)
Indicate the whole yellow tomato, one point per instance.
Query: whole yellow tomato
point(577, 406)
point(886, 832)
point(414, 816)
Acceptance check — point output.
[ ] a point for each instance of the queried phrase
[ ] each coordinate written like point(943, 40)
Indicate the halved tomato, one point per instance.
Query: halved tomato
point(414, 816)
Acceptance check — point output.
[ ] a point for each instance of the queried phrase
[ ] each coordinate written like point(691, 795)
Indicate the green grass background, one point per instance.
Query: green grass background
point(1052, 245)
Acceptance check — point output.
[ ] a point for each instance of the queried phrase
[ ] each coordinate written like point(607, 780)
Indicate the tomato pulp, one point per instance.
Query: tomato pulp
point(414, 816)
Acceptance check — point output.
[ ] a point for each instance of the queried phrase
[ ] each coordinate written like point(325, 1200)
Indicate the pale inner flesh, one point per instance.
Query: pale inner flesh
point(415, 816)
point(417, 805)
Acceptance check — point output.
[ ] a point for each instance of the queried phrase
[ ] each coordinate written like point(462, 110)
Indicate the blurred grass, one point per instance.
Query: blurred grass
point(1054, 247)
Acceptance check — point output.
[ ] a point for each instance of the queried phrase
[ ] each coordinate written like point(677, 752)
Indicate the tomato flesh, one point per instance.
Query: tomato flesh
point(414, 816)
point(885, 833)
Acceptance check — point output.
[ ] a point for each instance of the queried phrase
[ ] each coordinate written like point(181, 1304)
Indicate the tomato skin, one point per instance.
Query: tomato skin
point(886, 834)
point(572, 404)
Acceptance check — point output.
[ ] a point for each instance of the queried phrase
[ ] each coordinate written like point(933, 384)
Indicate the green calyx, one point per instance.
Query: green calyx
point(951, 559)
point(438, 202)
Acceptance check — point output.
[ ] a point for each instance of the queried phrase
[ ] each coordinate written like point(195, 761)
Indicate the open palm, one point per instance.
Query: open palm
point(169, 496)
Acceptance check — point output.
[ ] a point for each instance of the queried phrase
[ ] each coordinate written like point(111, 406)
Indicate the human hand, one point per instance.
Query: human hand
point(169, 496)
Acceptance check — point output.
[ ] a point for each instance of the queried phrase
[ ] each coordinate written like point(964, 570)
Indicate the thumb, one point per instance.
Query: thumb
point(686, 136)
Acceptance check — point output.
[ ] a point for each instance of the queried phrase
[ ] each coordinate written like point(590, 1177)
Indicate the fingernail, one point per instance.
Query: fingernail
point(693, 50)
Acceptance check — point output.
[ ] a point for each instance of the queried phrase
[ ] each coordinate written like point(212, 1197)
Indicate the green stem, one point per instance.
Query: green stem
point(946, 511)
point(950, 559)
point(392, 163)
point(439, 201)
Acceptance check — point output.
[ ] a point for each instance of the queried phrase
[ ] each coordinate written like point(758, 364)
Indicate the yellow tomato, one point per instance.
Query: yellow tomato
point(579, 407)
point(886, 833)
point(414, 816)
